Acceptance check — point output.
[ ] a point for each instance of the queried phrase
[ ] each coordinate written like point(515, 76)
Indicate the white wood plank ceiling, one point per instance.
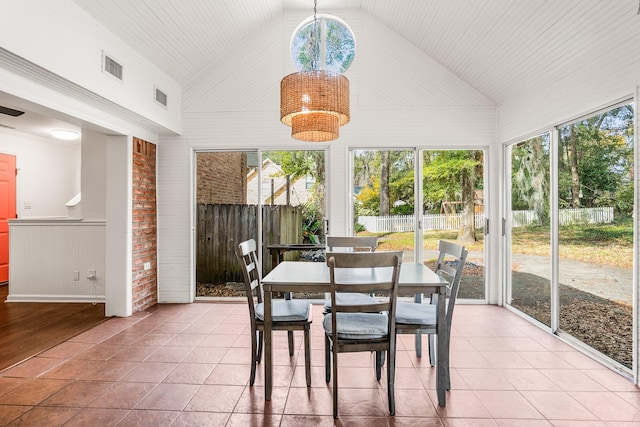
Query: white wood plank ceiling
point(496, 46)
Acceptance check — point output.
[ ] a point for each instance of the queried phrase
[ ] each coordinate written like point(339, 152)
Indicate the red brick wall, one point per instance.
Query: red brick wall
point(221, 178)
point(144, 233)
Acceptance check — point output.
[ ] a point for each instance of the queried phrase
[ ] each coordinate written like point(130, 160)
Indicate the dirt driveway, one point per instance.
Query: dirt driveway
point(612, 283)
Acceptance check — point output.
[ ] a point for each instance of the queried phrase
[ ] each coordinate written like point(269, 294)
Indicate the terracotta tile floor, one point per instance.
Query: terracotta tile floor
point(189, 365)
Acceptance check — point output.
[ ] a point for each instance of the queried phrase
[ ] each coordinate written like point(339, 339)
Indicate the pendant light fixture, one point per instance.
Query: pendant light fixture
point(314, 103)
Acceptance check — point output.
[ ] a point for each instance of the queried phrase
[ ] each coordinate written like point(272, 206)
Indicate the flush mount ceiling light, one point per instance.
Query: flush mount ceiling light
point(315, 102)
point(67, 135)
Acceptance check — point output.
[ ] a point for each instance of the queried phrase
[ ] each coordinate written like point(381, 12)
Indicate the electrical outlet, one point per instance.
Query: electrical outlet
point(147, 265)
point(76, 276)
point(92, 275)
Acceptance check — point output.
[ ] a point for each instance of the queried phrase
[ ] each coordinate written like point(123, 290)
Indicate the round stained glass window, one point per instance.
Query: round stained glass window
point(334, 42)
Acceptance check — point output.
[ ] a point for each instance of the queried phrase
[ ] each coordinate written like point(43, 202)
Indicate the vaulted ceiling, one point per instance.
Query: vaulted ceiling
point(496, 46)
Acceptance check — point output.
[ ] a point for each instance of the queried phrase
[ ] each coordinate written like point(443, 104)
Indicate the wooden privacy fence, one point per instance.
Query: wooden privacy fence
point(402, 223)
point(220, 227)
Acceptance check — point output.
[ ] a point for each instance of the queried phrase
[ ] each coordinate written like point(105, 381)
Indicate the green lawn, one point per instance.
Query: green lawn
point(607, 244)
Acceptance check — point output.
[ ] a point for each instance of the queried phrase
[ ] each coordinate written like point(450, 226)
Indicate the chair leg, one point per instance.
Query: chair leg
point(254, 358)
point(335, 384)
point(327, 358)
point(391, 380)
point(448, 384)
point(418, 300)
point(432, 349)
point(307, 355)
point(418, 344)
point(259, 351)
point(291, 346)
point(379, 361)
point(287, 296)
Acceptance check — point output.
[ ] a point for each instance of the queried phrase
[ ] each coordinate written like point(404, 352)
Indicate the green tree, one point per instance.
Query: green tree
point(339, 46)
point(453, 176)
point(368, 201)
point(388, 175)
point(596, 161)
point(300, 163)
point(530, 177)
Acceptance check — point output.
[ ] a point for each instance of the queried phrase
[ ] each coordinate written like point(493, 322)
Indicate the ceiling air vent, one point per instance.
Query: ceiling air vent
point(111, 66)
point(161, 97)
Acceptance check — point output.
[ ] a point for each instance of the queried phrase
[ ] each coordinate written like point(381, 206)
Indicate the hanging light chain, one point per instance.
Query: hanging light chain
point(315, 53)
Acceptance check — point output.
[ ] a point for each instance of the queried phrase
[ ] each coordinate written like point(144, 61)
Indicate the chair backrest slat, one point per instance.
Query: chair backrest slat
point(374, 272)
point(352, 244)
point(251, 271)
point(451, 261)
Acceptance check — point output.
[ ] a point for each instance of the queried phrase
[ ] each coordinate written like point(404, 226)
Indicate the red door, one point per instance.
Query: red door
point(7, 209)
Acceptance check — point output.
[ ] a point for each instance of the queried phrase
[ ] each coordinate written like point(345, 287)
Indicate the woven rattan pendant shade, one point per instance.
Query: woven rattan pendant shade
point(315, 104)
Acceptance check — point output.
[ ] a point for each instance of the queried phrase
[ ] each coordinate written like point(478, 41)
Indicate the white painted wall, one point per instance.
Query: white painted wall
point(48, 172)
point(118, 264)
point(399, 98)
point(94, 175)
point(75, 53)
point(174, 203)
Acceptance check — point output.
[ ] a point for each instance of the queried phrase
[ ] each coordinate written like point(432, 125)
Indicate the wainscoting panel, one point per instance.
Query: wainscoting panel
point(56, 260)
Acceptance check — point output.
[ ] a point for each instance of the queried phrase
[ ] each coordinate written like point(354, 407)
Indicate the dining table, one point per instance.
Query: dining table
point(313, 277)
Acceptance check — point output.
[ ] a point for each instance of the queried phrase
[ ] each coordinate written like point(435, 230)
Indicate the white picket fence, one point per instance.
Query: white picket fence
point(402, 223)
point(567, 216)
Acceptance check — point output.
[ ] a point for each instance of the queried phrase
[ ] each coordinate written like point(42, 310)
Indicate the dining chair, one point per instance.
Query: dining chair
point(351, 244)
point(418, 319)
point(288, 315)
point(362, 327)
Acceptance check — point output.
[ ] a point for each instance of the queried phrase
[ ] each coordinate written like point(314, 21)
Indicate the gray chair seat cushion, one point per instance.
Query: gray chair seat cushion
point(416, 314)
point(358, 325)
point(286, 310)
point(348, 298)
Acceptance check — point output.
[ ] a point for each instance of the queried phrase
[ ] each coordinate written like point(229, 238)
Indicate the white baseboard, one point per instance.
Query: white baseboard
point(56, 298)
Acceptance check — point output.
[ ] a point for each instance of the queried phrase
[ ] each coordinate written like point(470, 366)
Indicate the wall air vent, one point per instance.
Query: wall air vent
point(10, 111)
point(111, 66)
point(161, 97)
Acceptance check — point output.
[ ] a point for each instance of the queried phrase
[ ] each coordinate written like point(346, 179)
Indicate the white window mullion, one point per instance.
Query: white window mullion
point(555, 302)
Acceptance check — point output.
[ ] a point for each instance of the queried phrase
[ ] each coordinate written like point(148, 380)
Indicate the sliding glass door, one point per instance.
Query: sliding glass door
point(274, 197)
point(226, 214)
point(570, 231)
point(448, 204)
point(293, 196)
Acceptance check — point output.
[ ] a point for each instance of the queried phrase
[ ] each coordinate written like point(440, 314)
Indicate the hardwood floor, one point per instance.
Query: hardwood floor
point(27, 329)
